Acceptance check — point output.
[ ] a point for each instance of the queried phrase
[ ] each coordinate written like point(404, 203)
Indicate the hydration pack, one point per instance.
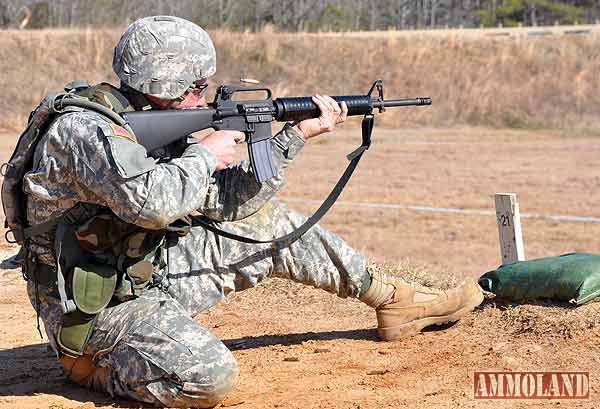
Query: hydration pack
point(77, 96)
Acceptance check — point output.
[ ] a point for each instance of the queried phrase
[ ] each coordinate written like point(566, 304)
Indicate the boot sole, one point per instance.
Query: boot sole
point(414, 327)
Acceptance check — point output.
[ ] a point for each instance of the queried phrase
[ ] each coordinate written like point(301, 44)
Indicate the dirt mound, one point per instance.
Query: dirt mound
point(542, 319)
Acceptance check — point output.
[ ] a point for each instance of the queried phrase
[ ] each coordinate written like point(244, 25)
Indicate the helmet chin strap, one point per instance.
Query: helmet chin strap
point(139, 101)
point(160, 103)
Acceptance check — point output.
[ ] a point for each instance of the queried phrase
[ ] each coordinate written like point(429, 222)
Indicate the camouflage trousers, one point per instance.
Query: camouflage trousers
point(151, 350)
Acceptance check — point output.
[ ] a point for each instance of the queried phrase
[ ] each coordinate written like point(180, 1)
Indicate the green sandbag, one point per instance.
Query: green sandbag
point(573, 277)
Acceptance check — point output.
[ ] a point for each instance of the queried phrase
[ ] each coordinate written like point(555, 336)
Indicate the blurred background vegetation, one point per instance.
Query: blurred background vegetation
point(302, 15)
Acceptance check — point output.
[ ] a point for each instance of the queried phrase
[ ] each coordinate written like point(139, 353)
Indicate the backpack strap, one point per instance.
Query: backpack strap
point(62, 102)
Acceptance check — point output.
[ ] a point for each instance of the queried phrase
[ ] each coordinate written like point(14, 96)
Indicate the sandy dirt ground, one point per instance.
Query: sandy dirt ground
point(302, 348)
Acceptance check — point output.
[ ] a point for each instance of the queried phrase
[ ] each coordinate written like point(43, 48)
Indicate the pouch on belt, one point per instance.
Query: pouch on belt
point(93, 287)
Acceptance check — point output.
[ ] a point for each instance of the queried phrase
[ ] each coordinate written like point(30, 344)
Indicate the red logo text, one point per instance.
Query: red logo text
point(531, 385)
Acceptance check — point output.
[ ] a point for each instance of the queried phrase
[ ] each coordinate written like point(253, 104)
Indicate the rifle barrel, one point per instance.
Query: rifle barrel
point(403, 102)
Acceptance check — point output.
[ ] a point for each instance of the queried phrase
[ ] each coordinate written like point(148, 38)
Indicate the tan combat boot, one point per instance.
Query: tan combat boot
point(405, 309)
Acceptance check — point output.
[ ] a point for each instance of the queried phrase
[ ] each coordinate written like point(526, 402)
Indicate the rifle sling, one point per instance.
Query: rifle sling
point(288, 239)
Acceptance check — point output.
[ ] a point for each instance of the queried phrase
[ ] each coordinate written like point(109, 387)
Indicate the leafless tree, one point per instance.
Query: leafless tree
point(288, 15)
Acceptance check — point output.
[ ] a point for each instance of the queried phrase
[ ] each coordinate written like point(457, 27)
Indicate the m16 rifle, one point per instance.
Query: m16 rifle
point(154, 129)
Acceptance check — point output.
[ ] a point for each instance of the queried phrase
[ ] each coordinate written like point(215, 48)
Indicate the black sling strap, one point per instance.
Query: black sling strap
point(288, 239)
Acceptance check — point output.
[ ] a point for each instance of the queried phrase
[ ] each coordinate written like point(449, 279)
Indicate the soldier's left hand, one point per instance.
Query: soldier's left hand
point(331, 115)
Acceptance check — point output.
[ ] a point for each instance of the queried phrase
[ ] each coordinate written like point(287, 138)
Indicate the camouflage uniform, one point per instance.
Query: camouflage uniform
point(93, 174)
point(150, 349)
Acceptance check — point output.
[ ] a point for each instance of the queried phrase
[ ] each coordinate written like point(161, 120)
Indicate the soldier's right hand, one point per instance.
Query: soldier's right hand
point(221, 144)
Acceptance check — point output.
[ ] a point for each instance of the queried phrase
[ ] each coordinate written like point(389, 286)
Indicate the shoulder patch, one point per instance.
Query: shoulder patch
point(129, 157)
point(122, 132)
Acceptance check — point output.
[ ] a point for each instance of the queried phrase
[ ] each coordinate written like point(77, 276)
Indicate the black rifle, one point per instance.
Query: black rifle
point(155, 129)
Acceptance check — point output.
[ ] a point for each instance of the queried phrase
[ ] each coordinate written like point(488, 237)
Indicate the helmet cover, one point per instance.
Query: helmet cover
point(163, 56)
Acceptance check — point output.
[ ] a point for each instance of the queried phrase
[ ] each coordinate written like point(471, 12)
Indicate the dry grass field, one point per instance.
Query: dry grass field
point(516, 82)
point(301, 348)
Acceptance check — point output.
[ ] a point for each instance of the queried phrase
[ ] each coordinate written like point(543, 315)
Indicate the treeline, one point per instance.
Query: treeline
point(302, 15)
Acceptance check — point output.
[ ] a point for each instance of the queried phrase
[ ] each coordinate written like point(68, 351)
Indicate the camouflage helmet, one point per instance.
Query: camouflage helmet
point(163, 55)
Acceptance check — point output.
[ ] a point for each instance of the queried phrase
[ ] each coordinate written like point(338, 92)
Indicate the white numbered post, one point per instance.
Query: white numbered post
point(509, 228)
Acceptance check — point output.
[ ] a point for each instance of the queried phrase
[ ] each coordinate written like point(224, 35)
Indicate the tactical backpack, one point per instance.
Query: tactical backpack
point(78, 96)
point(86, 287)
